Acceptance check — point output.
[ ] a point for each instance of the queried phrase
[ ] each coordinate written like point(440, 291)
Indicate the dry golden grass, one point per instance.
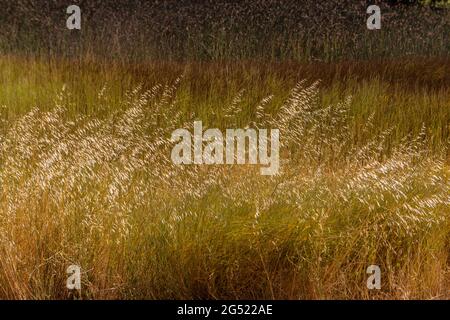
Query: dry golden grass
point(86, 176)
point(99, 190)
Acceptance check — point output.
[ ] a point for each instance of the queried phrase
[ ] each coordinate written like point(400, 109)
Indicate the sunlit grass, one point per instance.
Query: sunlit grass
point(86, 179)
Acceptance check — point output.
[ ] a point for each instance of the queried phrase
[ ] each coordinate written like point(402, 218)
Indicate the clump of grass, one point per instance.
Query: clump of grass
point(101, 192)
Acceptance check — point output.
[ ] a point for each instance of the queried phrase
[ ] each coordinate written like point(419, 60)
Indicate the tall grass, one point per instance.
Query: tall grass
point(300, 30)
point(388, 87)
point(102, 193)
point(86, 176)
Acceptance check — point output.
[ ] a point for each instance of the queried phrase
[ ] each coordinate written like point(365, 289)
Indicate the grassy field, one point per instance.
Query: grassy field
point(86, 176)
point(87, 179)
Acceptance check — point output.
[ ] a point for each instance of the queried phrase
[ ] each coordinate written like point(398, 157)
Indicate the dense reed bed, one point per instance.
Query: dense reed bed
point(301, 30)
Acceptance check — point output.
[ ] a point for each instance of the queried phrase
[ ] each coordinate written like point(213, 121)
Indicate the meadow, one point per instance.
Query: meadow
point(86, 176)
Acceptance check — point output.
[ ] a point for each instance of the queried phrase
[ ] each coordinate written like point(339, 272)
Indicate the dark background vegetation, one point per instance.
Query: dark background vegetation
point(303, 30)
